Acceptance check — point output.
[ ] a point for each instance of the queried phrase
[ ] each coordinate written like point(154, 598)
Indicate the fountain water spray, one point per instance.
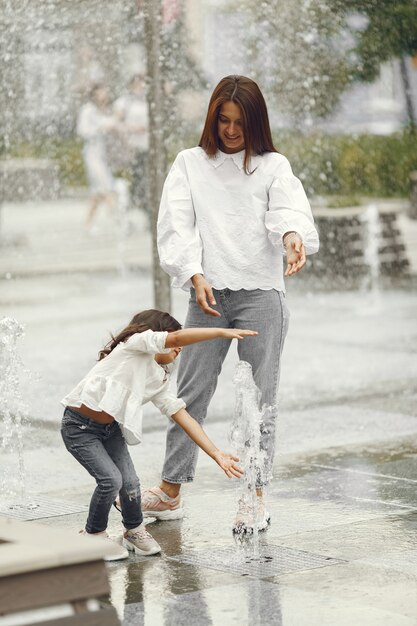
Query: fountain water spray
point(373, 231)
point(12, 407)
point(123, 201)
point(245, 438)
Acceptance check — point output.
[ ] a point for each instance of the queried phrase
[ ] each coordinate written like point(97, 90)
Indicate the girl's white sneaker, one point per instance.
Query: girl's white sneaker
point(140, 541)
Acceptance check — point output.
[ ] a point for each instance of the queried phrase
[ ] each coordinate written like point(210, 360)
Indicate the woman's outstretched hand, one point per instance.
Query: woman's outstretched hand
point(204, 295)
point(296, 256)
point(228, 463)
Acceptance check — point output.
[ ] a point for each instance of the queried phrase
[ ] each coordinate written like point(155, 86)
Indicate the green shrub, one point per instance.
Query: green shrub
point(343, 165)
point(66, 151)
point(362, 165)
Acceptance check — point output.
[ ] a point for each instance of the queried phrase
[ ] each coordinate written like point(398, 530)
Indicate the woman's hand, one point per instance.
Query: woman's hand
point(296, 256)
point(204, 295)
point(228, 464)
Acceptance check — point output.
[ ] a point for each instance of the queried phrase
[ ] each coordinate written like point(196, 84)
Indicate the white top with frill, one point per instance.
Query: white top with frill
point(217, 220)
point(126, 379)
point(94, 124)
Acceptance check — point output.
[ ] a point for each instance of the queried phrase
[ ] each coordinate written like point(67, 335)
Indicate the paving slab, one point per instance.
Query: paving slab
point(51, 237)
point(259, 603)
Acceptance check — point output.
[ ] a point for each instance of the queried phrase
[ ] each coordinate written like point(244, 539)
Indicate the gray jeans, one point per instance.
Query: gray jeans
point(101, 449)
point(201, 363)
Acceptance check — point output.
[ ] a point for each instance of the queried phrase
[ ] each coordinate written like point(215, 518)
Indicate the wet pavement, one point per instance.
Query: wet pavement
point(342, 545)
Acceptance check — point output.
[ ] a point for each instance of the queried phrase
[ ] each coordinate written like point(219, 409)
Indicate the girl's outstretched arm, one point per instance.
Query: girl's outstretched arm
point(186, 336)
point(193, 429)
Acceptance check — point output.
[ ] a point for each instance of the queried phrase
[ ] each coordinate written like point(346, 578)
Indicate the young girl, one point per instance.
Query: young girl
point(104, 412)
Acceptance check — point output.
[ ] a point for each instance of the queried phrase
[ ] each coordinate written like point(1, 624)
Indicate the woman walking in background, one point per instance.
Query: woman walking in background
point(231, 208)
point(94, 124)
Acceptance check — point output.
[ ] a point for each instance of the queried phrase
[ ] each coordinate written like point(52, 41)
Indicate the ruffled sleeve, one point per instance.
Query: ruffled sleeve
point(167, 402)
point(289, 210)
point(149, 341)
point(179, 244)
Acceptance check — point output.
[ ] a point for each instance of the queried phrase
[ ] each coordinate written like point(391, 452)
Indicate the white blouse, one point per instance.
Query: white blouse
point(216, 220)
point(126, 379)
point(93, 124)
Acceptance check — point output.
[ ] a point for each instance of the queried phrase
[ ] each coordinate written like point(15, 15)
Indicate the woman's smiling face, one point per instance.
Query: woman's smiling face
point(230, 127)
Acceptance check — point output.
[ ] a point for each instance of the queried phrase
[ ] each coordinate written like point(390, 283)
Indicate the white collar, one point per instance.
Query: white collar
point(237, 157)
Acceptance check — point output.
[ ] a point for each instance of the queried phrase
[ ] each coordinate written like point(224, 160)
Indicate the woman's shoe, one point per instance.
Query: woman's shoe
point(155, 503)
point(246, 517)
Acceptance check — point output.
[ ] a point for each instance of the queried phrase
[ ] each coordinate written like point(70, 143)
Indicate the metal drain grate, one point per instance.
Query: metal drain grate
point(272, 561)
point(37, 507)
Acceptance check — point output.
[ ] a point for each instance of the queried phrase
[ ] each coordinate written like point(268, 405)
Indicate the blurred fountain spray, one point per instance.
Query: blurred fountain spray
point(245, 438)
point(123, 201)
point(12, 408)
point(372, 236)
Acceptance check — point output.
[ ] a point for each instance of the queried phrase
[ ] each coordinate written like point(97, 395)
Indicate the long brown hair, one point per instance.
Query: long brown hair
point(151, 319)
point(256, 130)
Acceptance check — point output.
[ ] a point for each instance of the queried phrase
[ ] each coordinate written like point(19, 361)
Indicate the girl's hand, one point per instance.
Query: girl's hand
point(237, 333)
point(228, 464)
point(296, 256)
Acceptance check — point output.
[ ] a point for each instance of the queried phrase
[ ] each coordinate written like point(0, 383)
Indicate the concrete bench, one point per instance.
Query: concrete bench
point(52, 576)
point(29, 179)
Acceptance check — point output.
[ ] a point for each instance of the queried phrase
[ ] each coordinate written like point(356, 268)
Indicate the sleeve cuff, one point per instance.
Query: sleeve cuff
point(307, 232)
point(183, 280)
point(176, 406)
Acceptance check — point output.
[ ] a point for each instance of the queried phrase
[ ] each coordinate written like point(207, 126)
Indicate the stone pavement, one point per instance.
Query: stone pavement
point(50, 237)
point(342, 545)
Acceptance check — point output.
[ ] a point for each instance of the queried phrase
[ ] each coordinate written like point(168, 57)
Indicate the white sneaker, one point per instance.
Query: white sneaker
point(140, 541)
point(246, 517)
point(263, 518)
point(119, 553)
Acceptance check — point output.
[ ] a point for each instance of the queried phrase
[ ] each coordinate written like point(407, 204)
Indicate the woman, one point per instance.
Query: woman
point(230, 209)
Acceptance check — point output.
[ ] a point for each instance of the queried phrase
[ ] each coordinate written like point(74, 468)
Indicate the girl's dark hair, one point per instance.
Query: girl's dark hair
point(247, 95)
point(151, 319)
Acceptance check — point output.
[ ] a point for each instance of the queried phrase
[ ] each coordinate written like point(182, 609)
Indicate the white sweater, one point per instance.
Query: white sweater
point(216, 220)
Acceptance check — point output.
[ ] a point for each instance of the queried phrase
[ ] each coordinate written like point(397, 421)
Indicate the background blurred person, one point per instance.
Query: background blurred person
point(95, 124)
point(132, 111)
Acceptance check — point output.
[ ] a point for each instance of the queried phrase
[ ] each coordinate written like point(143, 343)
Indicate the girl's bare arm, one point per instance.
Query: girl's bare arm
point(193, 429)
point(186, 336)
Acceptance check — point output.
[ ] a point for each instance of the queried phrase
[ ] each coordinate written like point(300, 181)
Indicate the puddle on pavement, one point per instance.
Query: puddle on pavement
point(378, 485)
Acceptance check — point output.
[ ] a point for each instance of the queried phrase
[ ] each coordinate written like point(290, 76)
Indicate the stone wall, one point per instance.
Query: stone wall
point(342, 258)
point(28, 179)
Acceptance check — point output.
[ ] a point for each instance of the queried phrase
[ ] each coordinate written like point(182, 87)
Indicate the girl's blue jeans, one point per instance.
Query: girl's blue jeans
point(102, 450)
point(200, 364)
